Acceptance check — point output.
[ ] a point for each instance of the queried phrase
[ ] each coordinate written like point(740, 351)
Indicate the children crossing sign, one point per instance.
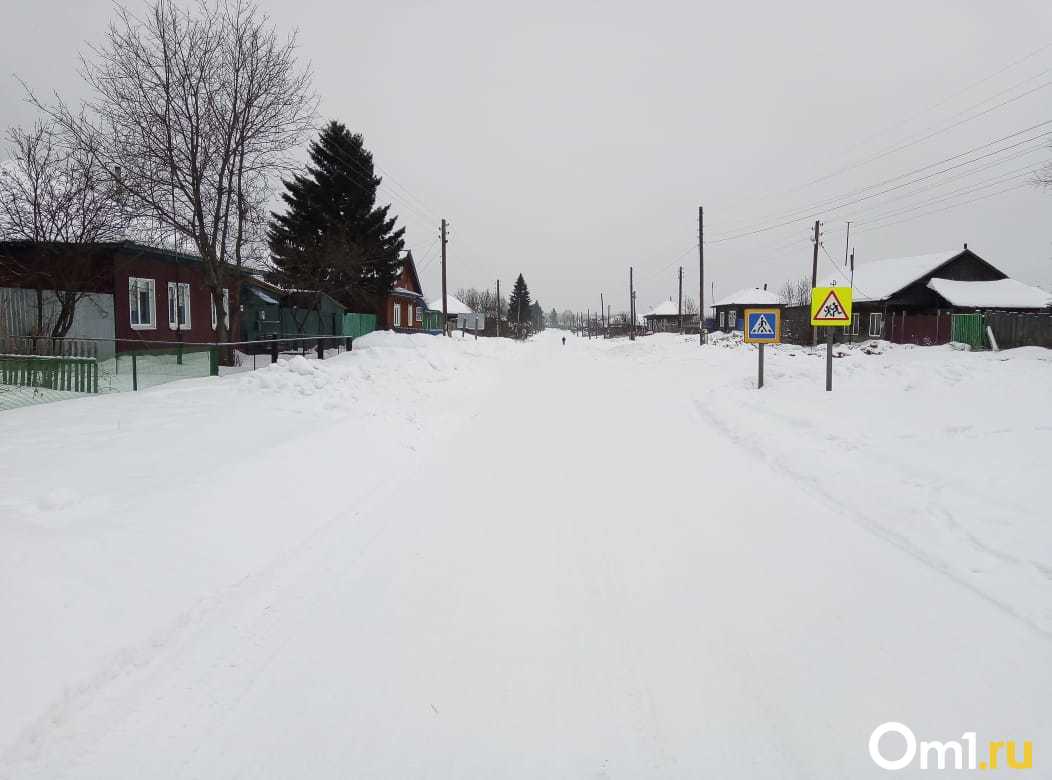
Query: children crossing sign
point(831, 306)
point(763, 326)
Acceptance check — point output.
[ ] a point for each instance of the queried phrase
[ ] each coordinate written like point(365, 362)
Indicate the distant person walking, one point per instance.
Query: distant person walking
point(564, 341)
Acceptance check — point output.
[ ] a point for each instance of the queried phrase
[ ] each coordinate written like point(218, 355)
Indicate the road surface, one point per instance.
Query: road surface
point(591, 577)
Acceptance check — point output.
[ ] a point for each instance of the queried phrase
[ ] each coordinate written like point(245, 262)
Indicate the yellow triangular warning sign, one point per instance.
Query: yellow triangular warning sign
point(831, 306)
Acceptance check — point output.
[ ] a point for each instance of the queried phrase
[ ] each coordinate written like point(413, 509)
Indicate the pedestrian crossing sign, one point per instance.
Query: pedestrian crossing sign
point(763, 326)
point(831, 306)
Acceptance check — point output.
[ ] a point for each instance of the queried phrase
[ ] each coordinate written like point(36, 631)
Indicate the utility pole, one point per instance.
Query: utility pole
point(814, 276)
point(497, 307)
point(602, 309)
point(852, 270)
point(680, 312)
point(701, 275)
point(631, 306)
point(445, 318)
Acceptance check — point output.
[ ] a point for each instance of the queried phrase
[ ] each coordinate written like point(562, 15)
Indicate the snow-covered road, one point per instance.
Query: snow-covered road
point(600, 560)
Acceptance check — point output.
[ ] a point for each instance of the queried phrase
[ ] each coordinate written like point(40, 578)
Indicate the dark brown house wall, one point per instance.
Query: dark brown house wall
point(162, 270)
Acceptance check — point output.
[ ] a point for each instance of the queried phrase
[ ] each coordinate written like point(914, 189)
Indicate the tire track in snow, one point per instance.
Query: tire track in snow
point(859, 516)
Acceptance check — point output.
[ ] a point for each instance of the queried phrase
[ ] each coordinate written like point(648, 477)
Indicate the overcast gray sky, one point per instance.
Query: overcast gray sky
point(569, 140)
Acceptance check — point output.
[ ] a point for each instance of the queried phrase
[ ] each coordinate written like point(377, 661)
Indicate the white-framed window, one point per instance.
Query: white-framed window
point(226, 310)
point(396, 321)
point(732, 319)
point(142, 303)
point(419, 314)
point(409, 319)
point(876, 324)
point(720, 323)
point(852, 329)
point(178, 305)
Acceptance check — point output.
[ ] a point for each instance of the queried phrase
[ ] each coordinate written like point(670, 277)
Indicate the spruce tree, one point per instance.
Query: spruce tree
point(519, 303)
point(332, 236)
point(537, 316)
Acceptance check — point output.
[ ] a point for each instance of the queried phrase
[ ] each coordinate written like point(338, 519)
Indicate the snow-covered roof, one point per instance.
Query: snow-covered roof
point(1001, 294)
point(749, 296)
point(664, 309)
point(262, 294)
point(453, 305)
point(881, 279)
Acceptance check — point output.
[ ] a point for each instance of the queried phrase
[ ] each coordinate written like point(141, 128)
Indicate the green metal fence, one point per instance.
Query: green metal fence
point(142, 368)
point(355, 325)
point(969, 329)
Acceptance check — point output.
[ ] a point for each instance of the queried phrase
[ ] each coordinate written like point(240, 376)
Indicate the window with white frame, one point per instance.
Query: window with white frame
point(876, 324)
point(397, 319)
point(419, 313)
point(852, 329)
point(409, 319)
point(720, 323)
point(178, 305)
point(732, 319)
point(142, 303)
point(226, 310)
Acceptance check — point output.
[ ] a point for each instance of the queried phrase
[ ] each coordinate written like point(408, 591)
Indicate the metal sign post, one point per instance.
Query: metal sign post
point(830, 308)
point(762, 326)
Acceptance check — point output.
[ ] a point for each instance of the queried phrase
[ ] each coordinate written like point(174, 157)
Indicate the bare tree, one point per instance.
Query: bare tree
point(54, 199)
point(196, 110)
point(796, 292)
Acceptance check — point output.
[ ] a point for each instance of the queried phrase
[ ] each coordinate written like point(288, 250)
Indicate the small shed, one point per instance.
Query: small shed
point(729, 310)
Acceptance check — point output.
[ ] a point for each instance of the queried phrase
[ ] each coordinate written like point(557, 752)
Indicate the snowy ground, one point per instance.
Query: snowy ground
point(450, 558)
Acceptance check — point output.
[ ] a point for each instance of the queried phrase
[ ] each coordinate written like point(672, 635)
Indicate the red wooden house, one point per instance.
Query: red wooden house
point(157, 294)
point(403, 308)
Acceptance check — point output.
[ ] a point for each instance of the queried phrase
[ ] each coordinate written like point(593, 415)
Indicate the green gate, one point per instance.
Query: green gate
point(969, 329)
point(431, 320)
point(355, 325)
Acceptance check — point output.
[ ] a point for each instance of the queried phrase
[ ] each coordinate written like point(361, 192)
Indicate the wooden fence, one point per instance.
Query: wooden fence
point(52, 364)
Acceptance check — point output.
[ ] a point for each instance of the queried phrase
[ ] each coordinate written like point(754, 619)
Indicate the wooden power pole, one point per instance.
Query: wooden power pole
point(631, 306)
point(701, 275)
point(814, 276)
point(445, 318)
point(497, 307)
point(680, 311)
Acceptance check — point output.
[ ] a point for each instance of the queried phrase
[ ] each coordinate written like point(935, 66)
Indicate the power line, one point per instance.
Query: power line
point(932, 107)
point(947, 208)
point(1026, 170)
point(812, 210)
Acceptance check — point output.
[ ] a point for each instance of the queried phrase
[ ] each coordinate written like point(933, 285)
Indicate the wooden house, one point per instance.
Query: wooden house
point(914, 294)
point(729, 310)
point(156, 294)
point(665, 318)
point(403, 308)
